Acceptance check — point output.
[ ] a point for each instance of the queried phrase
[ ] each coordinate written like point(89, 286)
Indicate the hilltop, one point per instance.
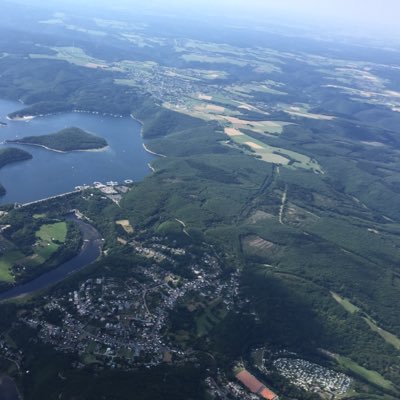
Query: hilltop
point(69, 139)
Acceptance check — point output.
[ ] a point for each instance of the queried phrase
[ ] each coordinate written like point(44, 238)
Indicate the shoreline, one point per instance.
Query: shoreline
point(141, 134)
point(24, 118)
point(152, 152)
point(55, 150)
point(30, 117)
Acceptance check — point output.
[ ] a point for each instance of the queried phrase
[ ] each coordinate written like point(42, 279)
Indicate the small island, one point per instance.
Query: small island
point(2, 124)
point(69, 139)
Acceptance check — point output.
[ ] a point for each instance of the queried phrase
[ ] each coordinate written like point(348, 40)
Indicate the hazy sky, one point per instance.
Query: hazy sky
point(375, 15)
point(379, 12)
point(372, 15)
point(359, 11)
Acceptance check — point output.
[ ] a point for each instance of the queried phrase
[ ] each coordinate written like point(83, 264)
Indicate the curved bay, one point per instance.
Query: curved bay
point(50, 173)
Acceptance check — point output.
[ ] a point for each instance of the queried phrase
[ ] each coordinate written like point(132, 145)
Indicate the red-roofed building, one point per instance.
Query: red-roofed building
point(255, 386)
point(250, 381)
point(268, 394)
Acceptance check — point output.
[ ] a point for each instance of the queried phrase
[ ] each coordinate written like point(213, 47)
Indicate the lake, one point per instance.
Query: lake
point(50, 173)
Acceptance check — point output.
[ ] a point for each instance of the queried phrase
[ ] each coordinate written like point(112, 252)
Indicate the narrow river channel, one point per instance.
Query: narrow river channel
point(8, 389)
point(89, 252)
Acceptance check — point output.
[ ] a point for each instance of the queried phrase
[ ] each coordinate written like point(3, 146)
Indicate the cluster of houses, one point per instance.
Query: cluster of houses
point(121, 322)
point(313, 377)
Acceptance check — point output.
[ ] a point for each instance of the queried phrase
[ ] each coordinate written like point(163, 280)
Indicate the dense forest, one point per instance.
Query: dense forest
point(10, 155)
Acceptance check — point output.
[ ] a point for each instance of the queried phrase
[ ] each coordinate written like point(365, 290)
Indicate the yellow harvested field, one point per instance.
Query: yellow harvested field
point(311, 115)
point(271, 124)
point(122, 241)
point(125, 225)
point(392, 93)
point(374, 144)
point(254, 145)
point(237, 121)
point(246, 107)
point(232, 132)
point(259, 243)
point(202, 96)
point(94, 65)
point(215, 108)
point(249, 107)
point(363, 93)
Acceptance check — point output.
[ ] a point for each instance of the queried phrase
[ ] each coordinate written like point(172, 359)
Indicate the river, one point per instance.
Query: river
point(8, 389)
point(50, 173)
point(89, 252)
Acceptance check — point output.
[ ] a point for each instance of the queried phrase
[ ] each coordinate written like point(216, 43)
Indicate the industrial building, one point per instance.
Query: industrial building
point(255, 386)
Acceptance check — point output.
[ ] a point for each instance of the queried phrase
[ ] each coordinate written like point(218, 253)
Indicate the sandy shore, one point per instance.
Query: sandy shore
point(55, 150)
point(141, 134)
point(25, 118)
point(101, 149)
point(30, 117)
point(152, 152)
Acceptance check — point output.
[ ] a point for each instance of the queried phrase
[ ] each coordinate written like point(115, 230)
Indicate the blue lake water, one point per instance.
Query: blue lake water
point(50, 173)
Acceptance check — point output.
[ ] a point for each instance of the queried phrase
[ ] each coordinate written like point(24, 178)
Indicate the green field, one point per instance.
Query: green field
point(39, 216)
point(213, 59)
point(51, 232)
point(277, 155)
point(6, 263)
point(50, 237)
point(371, 376)
point(387, 336)
point(73, 55)
point(250, 88)
point(351, 308)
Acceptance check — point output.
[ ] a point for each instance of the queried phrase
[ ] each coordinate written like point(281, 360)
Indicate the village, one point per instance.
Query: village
point(121, 323)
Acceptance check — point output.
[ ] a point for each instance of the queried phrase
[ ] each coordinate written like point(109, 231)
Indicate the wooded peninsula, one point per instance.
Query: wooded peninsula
point(69, 139)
